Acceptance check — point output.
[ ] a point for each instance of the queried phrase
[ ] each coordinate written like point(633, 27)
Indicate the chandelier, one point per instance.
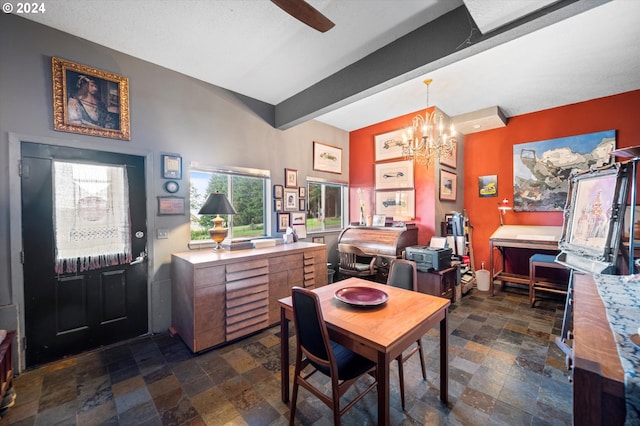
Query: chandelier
point(425, 140)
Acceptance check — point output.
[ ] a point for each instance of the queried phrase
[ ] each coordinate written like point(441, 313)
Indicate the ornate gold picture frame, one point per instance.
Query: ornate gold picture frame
point(89, 101)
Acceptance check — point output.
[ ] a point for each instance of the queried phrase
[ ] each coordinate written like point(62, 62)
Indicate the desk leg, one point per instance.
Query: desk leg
point(284, 356)
point(444, 360)
point(383, 388)
point(491, 268)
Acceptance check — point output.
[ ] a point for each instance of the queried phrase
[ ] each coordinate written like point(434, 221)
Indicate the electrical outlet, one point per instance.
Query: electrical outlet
point(163, 234)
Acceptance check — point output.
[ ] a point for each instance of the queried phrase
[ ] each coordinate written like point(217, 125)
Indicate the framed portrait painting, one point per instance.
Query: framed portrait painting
point(89, 101)
point(291, 200)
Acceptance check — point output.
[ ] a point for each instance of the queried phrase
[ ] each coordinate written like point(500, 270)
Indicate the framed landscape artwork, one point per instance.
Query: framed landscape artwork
point(89, 101)
point(541, 170)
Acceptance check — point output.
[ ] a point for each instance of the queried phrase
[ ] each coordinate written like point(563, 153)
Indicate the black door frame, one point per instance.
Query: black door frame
point(15, 221)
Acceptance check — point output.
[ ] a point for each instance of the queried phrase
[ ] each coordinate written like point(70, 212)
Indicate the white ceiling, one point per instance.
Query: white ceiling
point(252, 47)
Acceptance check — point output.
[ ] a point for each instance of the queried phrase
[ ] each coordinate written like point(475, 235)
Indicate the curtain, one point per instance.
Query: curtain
point(91, 216)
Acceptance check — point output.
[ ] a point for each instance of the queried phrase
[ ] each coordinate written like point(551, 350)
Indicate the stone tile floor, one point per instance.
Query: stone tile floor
point(504, 370)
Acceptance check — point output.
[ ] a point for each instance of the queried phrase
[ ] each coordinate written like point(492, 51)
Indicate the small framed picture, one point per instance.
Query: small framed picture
point(283, 221)
point(277, 205)
point(451, 158)
point(277, 192)
point(448, 185)
point(171, 205)
point(317, 240)
point(488, 186)
point(290, 178)
point(302, 204)
point(302, 192)
point(291, 200)
point(171, 167)
point(379, 220)
point(298, 218)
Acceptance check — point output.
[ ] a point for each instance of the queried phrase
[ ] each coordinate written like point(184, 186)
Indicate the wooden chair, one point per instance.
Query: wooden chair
point(403, 274)
point(314, 348)
point(351, 262)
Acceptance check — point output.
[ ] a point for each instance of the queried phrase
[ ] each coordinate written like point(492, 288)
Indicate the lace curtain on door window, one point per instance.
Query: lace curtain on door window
point(91, 216)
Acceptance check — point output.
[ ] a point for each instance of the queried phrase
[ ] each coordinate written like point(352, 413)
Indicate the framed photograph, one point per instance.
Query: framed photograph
point(379, 220)
point(290, 178)
point(327, 158)
point(448, 185)
point(401, 203)
point(283, 221)
point(291, 200)
point(277, 192)
point(389, 146)
point(592, 228)
point(298, 218)
point(488, 186)
point(394, 175)
point(171, 205)
point(171, 167)
point(302, 204)
point(451, 159)
point(89, 101)
point(302, 192)
point(277, 205)
point(317, 240)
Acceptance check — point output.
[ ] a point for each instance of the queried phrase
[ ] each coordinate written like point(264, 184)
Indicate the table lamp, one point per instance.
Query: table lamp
point(217, 204)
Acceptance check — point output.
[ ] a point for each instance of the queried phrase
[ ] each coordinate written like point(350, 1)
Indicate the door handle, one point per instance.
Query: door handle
point(139, 259)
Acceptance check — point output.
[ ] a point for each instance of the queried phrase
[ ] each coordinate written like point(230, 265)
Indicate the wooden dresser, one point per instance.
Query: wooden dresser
point(221, 296)
point(386, 243)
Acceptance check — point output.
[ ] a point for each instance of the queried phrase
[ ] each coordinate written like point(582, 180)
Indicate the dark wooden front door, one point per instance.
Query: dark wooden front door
point(68, 313)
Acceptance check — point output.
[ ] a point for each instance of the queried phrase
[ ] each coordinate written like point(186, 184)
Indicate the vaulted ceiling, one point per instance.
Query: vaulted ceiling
point(524, 55)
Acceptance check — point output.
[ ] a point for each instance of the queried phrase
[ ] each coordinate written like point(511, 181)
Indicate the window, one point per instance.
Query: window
point(326, 203)
point(246, 190)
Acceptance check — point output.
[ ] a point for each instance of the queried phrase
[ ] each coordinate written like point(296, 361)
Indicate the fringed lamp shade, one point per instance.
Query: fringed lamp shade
point(217, 204)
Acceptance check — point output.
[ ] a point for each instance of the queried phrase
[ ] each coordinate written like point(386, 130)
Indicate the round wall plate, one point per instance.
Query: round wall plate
point(171, 186)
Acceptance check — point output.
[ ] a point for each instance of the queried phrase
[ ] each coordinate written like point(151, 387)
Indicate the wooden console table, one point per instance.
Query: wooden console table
point(598, 377)
point(221, 296)
point(520, 237)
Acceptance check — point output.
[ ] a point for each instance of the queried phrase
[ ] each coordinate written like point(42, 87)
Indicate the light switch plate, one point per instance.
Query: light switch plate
point(163, 234)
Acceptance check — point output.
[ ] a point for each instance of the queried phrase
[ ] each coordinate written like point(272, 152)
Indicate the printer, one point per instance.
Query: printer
point(429, 258)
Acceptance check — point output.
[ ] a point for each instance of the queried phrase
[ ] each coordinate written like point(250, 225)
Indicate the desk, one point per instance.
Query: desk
point(377, 334)
point(598, 377)
point(522, 237)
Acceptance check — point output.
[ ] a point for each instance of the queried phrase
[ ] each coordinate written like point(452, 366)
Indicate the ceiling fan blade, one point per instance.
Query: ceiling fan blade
point(304, 12)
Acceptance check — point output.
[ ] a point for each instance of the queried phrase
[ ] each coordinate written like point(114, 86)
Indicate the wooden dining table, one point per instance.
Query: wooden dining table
point(380, 333)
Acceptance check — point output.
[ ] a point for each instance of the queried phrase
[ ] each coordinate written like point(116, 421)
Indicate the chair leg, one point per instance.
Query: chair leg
point(422, 362)
point(294, 397)
point(532, 282)
point(401, 374)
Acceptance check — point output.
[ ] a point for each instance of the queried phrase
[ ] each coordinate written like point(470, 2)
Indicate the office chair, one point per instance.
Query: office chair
point(350, 262)
point(403, 274)
point(313, 347)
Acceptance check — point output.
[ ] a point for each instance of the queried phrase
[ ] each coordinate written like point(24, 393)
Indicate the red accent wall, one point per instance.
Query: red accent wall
point(489, 153)
point(362, 175)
